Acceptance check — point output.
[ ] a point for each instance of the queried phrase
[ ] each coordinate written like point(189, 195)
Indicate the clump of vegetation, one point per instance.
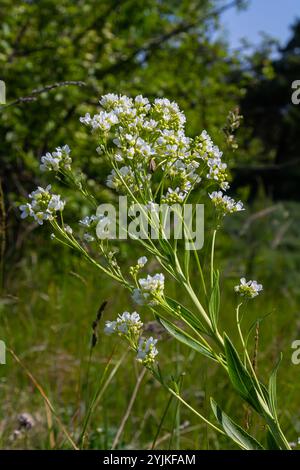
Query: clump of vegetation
point(154, 164)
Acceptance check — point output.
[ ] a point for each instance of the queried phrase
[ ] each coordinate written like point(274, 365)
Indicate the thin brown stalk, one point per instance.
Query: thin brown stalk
point(50, 426)
point(129, 408)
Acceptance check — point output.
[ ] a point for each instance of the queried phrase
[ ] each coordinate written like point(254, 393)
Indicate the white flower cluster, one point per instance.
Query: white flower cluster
point(43, 205)
point(248, 289)
point(89, 222)
point(147, 138)
point(174, 196)
point(58, 160)
point(225, 204)
point(95, 224)
point(147, 350)
point(167, 112)
point(126, 323)
point(150, 289)
point(130, 326)
point(211, 154)
point(102, 121)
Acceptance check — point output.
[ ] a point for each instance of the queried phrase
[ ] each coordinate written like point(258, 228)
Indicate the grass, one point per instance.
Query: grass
point(103, 400)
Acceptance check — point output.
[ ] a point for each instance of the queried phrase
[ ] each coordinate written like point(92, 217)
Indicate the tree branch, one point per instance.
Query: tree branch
point(35, 93)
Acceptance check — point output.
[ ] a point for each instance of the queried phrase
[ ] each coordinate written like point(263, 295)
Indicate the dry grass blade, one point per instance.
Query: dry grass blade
point(43, 394)
point(129, 408)
point(50, 426)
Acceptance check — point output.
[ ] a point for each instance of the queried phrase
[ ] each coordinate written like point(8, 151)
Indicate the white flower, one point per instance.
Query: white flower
point(142, 261)
point(151, 287)
point(110, 327)
point(126, 323)
point(43, 205)
point(60, 159)
point(102, 121)
point(154, 283)
point(86, 119)
point(147, 350)
point(109, 100)
point(129, 322)
point(48, 162)
point(141, 101)
point(26, 210)
point(173, 196)
point(143, 149)
point(89, 221)
point(55, 203)
point(248, 289)
point(225, 204)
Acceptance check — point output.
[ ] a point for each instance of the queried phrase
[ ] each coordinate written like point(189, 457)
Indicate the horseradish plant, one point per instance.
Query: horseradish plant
point(154, 164)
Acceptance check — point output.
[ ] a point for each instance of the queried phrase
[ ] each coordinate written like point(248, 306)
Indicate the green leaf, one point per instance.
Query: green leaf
point(272, 389)
point(271, 443)
point(214, 302)
point(185, 313)
point(234, 431)
point(239, 376)
point(185, 338)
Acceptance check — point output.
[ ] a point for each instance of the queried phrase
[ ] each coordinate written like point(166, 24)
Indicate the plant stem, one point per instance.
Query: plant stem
point(193, 409)
point(161, 422)
point(129, 408)
point(212, 258)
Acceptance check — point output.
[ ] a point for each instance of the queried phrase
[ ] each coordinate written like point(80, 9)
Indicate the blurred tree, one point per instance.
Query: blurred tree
point(271, 133)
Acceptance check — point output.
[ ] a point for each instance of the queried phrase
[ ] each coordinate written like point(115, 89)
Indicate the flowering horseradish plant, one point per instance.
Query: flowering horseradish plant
point(154, 164)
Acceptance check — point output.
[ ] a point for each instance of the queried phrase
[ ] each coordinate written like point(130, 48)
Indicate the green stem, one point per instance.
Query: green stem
point(212, 258)
point(176, 395)
point(205, 318)
point(272, 422)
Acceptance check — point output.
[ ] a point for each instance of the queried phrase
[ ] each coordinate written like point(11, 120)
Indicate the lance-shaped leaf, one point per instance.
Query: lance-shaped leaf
point(185, 313)
point(234, 431)
point(239, 376)
point(272, 389)
point(271, 443)
point(185, 338)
